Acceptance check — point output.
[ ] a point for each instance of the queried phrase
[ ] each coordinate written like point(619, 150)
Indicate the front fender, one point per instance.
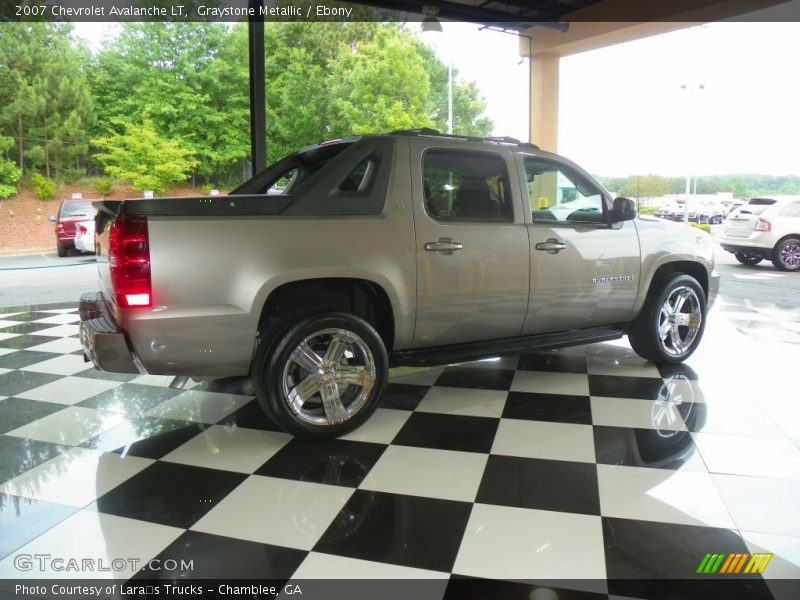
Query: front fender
point(688, 248)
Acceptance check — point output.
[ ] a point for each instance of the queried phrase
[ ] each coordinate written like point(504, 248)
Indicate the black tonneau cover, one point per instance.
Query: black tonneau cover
point(194, 206)
point(260, 204)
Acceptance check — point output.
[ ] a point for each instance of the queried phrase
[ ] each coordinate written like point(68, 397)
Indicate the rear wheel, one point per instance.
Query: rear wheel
point(322, 376)
point(61, 249)
point(747, 259)
point(786, 255)
point(672, 321)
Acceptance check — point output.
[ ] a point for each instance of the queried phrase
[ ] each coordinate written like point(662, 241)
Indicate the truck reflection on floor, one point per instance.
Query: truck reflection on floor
point(367, 517)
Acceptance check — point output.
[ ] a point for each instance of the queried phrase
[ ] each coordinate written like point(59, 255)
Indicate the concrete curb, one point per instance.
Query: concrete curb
point(48, 267)
point(28, 251)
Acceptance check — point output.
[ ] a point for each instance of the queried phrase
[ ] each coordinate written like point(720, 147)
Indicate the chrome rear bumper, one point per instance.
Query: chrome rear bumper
point(103, 342)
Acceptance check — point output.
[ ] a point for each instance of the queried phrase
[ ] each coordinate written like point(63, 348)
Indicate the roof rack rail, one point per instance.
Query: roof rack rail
point(470, 138)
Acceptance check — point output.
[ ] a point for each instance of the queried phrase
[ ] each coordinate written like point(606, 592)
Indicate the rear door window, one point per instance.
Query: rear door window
point(466, 185)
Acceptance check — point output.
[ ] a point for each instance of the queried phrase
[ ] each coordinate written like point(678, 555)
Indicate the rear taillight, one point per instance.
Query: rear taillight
point(763, 225)
point(129, 261)
point(82, 230)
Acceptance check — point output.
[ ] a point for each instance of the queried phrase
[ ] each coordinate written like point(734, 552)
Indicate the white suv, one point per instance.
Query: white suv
point(765, 228)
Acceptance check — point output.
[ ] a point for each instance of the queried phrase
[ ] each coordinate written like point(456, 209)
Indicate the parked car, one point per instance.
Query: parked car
point(765, 229)
point(84, 236)
point(409, 248)
point(70, 213)
point(733, 207)
point(671, 211)
point(704, 211)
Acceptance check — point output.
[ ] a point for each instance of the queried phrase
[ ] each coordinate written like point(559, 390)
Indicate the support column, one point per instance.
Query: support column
point(258, 100)
point(544, 101)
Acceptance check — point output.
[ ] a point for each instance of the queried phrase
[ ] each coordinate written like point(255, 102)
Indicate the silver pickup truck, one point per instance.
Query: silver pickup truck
point(360, 254)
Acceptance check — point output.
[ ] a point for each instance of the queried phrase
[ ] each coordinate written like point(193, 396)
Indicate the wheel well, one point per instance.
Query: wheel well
point(687, 267)
point(359, 297)
point(795, 236)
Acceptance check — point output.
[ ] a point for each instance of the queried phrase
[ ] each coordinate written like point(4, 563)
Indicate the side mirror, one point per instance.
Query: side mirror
point(51, 218)
point(624, 209)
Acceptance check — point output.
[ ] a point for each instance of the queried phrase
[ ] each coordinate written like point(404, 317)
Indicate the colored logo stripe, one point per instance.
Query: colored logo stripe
point(758, 563)
point(734, 562)
point(711, 563)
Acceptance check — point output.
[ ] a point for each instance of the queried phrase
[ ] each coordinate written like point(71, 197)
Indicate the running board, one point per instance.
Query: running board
point(443, 355)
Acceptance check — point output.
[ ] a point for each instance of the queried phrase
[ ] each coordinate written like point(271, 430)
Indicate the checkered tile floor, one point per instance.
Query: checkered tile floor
point(586, 465)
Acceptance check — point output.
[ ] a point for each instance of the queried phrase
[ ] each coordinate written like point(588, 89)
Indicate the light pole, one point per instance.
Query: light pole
point(698, 88)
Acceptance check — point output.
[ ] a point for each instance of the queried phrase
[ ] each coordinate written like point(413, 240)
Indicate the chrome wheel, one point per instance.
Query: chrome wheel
point(679, 321)
point(328, 377)
point(790, 254)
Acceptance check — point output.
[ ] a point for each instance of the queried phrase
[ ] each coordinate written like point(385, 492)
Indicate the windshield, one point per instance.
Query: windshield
point(77, 209)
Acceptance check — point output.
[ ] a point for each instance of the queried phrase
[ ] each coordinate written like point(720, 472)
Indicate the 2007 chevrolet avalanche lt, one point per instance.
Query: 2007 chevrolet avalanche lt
point(408, 248)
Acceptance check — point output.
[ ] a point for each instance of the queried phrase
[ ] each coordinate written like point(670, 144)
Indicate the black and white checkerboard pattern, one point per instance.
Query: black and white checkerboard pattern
point(580, 465)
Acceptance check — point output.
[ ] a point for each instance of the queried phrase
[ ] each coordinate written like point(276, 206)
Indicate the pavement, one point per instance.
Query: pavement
point(45, 278)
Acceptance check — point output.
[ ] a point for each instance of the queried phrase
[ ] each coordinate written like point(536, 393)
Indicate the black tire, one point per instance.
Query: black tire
point(747, 259)
point(645, 334)
point(61, 249)
point(786, 254)
point(278, 373)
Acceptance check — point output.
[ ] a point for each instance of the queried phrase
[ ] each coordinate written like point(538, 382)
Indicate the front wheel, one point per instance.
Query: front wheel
point(672, 321)
point(786, 255)
point(322, 376)
point(747, 259)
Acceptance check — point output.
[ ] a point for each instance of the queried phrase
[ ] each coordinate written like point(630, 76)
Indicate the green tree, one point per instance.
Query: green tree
point(139, 156)
point(645, 186)
point(9, 172)
point(331, 79)
point(44, 97)
point(323, 80)
point(181, 77)
point(613, 184)
point(381, 85)
point(44, 186)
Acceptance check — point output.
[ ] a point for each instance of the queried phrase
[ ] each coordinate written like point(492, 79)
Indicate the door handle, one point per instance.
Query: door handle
point(551, 246)
point(444, 246)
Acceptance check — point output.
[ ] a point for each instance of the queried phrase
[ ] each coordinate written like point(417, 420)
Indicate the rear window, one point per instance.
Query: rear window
point(283, 177)
point(359, 179)
point(354, 183)
point(756, 206)
point(285, 181)
point(77, 209)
